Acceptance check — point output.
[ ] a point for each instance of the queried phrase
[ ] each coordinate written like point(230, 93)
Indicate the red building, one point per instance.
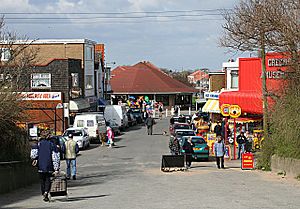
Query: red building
point(249, 95)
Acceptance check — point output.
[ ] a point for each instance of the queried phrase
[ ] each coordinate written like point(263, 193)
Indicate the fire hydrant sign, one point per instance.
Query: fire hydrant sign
point(247, 161)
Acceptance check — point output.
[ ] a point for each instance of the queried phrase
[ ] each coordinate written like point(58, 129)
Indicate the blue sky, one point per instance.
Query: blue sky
point(187, 41)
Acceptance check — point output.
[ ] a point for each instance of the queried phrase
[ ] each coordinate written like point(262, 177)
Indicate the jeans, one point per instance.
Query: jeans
point(220, 160)
point(45, 182)
point(71, 163)
point(149, 130)
point(241, 148)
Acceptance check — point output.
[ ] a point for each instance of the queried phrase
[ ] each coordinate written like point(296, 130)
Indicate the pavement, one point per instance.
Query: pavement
point(129, 176)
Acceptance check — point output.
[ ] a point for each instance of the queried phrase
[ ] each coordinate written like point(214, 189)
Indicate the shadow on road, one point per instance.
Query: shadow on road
point(74, 199)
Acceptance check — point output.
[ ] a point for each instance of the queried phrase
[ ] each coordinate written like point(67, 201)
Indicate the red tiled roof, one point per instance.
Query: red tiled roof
point(144, 77)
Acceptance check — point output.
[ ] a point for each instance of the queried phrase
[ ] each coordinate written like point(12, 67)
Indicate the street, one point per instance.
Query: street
point(129, 176)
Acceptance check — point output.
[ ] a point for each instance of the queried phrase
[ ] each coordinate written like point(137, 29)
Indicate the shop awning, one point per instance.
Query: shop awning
point(79, 104)
point(212, 106)
point(245, 120)
point(250, 102)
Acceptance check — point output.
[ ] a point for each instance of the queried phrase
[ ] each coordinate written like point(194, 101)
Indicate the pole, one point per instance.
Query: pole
point(226, 129)
point(234, 139)
point(55, 121)
point(264, 90)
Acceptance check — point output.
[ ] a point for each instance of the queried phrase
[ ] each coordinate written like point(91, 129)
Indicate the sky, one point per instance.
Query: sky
point(172, 34)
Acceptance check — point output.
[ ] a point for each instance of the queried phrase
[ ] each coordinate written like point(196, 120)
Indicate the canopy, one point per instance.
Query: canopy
point(79, 104)
point(212, 106)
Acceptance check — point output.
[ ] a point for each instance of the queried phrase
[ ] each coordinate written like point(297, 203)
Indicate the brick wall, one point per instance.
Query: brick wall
point(216, 82)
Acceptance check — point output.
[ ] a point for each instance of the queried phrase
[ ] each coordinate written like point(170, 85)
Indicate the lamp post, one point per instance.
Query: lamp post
point(106, 77)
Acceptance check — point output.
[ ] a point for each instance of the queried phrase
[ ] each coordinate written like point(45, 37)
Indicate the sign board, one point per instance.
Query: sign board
point(211, 95)
point(225, 109)
point(235, 111)
point(247, 161)
point(52, 96)
point(33, 132)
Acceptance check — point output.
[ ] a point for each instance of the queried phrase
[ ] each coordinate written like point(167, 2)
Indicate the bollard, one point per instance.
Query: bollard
point(153, 114)
point(189, 110)
point(172, 111)
point(178, 111)
point(166, 112)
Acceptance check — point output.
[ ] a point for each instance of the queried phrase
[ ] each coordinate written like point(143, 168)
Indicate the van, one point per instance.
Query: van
point(93, 122)
point(117, 114)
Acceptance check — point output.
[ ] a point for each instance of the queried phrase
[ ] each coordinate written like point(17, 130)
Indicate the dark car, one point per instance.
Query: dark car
point(178, 126)
point(137, 113)
point(59, 141)
point(131, 119)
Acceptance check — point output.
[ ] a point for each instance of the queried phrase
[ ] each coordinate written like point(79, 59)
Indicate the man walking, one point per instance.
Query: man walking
point(219, 152)
point(149, 123)
point(46, 157)
point(241, 140)
point(70, 148)
point(188, 152)
point(174, 145)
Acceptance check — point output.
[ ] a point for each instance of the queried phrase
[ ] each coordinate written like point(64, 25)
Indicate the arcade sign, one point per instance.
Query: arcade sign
point(233, 111)
point(211, 95)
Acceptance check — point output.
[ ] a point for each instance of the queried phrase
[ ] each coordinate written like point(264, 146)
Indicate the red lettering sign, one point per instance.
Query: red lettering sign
point(247, 161)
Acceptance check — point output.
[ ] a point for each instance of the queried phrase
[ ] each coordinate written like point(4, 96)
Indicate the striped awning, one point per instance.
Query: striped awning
point(212, 106)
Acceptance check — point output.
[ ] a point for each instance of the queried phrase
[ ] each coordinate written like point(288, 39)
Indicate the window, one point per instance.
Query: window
point(234, 79)
point(41, 80)
point(5, 54)
point(90, 123)
point(89, 82)
point(75, 79)
point(80, 123)
point(89, 53)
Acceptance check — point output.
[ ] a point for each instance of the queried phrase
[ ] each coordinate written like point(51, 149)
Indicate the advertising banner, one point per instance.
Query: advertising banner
point(247, 161)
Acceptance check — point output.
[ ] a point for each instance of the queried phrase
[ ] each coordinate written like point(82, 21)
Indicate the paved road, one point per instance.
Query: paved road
point(129, 176)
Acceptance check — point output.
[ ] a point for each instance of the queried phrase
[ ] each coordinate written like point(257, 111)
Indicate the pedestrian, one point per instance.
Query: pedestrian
point(218, 129)
point(219, 147)
point(188, 152)
point(46, 157)
point(248, 143)
point(71, 149)
point(110, 135)
point(174, 145)
point(241, 140)
point(149, 124)
point(160, 109)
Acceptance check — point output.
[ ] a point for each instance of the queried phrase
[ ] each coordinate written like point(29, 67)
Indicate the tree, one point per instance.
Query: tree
point(263, 25)
point(16, 61)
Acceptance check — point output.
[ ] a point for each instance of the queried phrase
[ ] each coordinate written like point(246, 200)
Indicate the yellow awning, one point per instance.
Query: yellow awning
point(212, 106)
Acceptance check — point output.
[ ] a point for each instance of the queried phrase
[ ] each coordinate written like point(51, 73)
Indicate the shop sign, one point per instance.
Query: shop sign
point(275, 74)
point(225, 109)
point(279, 62)
point(211, 95)
point(41, 96)
point(235, 111)
point(247, 161)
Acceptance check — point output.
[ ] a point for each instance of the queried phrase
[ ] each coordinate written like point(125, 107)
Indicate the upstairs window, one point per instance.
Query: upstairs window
point(234, 79)
point(5, 54)
point(40, 80)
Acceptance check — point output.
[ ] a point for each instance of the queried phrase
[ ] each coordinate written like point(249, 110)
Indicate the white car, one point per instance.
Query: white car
point(80, 135)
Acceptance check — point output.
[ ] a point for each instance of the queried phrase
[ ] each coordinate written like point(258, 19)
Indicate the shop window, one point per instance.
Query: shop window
point(88, 81)
point(5, 54)
point(40, 80)
point(234, 79)
point(80, 123)
point(75, 79)
point(90, 123)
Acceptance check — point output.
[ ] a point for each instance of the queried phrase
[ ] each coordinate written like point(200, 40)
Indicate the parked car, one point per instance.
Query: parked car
point(115, 128)
point(80, 135)
point(93, 122)
point(200, 147)
point(175, 126)
point(131, 119)
point(59, 141)
point(137, 113)
point(178, 119)
point(117, 114)
point(180, 133)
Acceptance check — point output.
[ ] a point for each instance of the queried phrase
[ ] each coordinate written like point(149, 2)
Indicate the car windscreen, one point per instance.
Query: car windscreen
point(180, 120)
point(182, 126)
point(185, 133)
point(73, 132)
point(198, 141)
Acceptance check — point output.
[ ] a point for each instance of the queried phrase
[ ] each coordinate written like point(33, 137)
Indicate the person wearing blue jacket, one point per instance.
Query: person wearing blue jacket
point(219, 148)
point(45, 155)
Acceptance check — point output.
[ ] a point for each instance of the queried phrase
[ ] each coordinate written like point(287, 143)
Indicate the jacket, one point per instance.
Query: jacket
point(70, 148)
point(188, 148)
point(219, 149)
point(241, 139)
point(45, 152)
point(149, 121)
point(174, 145)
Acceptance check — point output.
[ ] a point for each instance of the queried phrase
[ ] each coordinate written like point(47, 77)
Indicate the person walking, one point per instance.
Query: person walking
point(110, 135)
point(188, 152)
point(219, 147)
point(241, 140)
point(160, 109)
point(46, 157)
point(218, 129)
point(71, 149)
point(149, 122)
point(174, 146)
